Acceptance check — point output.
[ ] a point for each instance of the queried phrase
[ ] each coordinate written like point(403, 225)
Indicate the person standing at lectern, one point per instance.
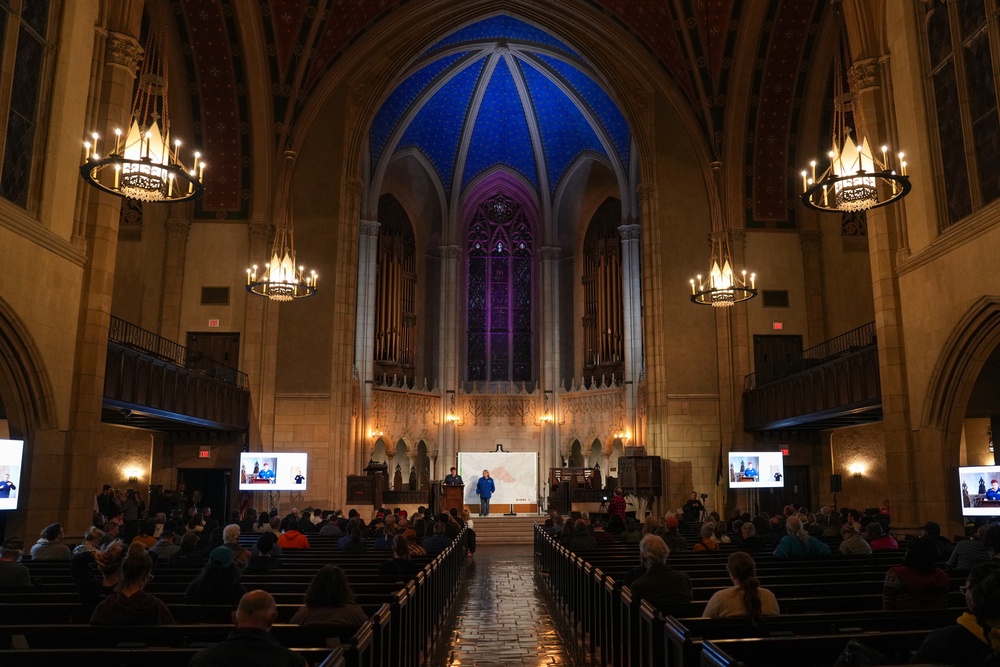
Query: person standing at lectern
point(454, 477)
point(485, 488)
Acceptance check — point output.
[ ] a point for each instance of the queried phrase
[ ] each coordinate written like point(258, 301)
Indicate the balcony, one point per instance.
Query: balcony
point(156, 384)
point(828, 386)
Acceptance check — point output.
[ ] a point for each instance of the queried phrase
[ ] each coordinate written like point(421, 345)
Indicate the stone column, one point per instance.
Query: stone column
point(97, 229)
point(364, 328)
point(448, 345)
point(548, 364)
point(173, 278)
point(654, 436)
point(257, 328)
point(812, 265)
point(884, 236)
point(632, 310)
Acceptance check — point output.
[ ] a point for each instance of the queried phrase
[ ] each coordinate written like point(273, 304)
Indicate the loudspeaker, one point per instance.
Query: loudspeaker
point(836, 484)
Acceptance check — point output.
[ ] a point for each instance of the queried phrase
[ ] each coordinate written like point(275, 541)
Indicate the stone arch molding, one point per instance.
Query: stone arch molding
point(962, 358)
point(23, 371)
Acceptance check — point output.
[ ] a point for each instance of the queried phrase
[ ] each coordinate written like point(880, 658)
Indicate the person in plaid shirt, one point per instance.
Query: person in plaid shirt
point(616, 506)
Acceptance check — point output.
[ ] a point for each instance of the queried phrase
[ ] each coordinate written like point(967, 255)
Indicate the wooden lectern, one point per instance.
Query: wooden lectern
point(454, 496)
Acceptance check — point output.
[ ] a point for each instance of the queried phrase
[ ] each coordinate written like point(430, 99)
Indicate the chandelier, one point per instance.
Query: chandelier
point(723, 286)
point(282, 279)
point(856, 179)
point(144, 165)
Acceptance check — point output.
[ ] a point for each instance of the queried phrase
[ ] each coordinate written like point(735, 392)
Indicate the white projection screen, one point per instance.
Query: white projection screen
point(515, 475)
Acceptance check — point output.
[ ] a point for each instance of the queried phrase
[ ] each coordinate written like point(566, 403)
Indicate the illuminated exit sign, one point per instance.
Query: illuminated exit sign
point(777, 326)
point(204, 453)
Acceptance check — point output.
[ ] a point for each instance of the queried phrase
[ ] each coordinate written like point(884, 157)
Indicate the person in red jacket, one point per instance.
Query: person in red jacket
point(291, 538)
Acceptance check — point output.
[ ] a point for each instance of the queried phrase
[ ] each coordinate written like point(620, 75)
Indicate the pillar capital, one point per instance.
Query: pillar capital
point(123, 51)
point(630, 232)
point(549, 253)
point(368, 227)
point(260, 230)
point(810, 239)
point(177, 228)
point(450, 252)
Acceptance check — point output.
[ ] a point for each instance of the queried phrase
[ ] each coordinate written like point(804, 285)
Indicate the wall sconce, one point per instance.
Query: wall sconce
point(856, 469)
point(452, 418)
point(132, 475)
point(546, 418)
point(622, 435)
point(376, 433)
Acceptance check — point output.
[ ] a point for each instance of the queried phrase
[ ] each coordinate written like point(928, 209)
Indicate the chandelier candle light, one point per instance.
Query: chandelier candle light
point(856, 179)
point(144, 165)
point(282, 279)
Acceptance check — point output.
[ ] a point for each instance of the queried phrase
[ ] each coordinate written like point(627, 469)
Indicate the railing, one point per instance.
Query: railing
point(129, 335)
point(852, 341)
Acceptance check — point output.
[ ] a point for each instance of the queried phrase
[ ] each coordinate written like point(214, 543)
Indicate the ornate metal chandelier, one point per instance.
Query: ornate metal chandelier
point(856, 179)
point(282, 279)
point(145, 165)
point(723, 287)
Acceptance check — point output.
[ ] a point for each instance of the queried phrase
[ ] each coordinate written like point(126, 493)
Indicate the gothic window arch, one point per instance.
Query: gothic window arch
point(603, 297)
point(963, 61)
point(395, 292)
point(499, 247)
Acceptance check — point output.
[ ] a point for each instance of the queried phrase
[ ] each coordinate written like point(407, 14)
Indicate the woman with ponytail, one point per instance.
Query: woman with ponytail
point(746, 597)
point(975, 637)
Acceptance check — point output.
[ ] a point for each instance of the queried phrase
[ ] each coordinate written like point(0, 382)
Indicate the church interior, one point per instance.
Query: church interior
point(506, 214)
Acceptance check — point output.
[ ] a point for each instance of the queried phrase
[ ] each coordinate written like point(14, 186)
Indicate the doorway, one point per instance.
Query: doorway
point(221, 347)
point(796, 492)
point(213, 484)
point(771, 354)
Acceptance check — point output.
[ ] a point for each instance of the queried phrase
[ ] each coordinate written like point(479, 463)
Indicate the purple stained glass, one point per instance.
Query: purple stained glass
point(499, 338)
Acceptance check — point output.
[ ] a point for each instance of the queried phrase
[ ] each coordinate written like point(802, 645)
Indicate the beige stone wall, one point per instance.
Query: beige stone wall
point(975, 444)
point(215, 258)
point(860, 449)
point(691, 448)
point(776, 257)
point(125, 452)
point(302, 424)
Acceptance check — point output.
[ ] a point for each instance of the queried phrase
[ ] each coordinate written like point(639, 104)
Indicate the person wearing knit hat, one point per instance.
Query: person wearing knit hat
point(218, 582)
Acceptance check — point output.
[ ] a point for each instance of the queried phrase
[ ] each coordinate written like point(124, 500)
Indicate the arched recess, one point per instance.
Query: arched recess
point(24, 385)
point(962, 358)
point(576, 459)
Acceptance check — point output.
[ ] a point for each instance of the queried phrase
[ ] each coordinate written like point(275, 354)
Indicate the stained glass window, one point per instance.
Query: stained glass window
point(25, 52)
point(968, 126)
point(499, 250)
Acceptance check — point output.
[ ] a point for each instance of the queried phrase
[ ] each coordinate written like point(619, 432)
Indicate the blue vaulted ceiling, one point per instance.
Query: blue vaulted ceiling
point(500, 92)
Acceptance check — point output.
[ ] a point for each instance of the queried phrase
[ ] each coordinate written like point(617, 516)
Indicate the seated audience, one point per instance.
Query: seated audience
point(165, 547)
point(601, 535)
point(91, 538)
point(669, 533)
point(878, 541)
point(853, 544)
point(330, 601)
point(438, 541)
point(353, 541)
point(969, 553)
point(750, 541)
point(130, 604)
point(661, 585)
point(49, 545)
point(109, 563)
point(400, 567)
point(263, 524)
point(917, 583)
point(411, 543)
point(291, 537)
point(631, 534)
point(798, 543)
point(932, 531)
point(265, 554)
point(746, 597)
point(251, 643)
point(12, 573)
point(582, 539)
point(231, 540)
point(189, 552)
point(218, 582)
point(708, 541)
point(975, 637)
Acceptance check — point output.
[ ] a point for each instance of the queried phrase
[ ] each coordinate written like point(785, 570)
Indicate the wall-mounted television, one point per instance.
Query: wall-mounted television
point(11, 452)
point(273, 471)
point(754, 470)
point(979, 489)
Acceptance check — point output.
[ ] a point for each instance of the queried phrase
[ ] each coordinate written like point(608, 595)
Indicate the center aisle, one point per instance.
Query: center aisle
point(503, 617)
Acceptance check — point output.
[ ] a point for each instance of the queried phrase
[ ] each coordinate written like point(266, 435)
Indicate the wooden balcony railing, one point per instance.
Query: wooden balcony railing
point(833, 384)
point(162, 380)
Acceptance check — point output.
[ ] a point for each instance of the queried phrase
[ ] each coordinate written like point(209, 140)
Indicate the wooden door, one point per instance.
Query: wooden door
point(796, 492)
point(223, 347)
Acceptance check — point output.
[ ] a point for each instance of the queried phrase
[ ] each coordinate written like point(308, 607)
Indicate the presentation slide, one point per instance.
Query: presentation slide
point(10, 473)
point(980, 489)
point(756, 470)
point(273, 471)
point(515, 475)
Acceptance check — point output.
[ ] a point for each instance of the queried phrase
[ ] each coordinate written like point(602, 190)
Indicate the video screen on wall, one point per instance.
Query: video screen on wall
point(273, 471)
point(979, 487)
point(756, 469)
point(11, 452)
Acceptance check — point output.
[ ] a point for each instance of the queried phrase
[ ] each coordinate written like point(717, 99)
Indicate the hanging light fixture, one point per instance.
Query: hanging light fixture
point(723, 287)
point(282, 279)
point(856, 179)
point(144, 165)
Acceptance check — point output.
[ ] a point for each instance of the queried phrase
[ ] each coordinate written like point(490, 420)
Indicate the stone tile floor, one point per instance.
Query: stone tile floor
point(504, 617)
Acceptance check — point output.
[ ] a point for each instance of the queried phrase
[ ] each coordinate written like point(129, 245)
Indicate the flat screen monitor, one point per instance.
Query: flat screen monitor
point(979, 489)
point(273, 471)
point(754, 470)
point(11, 452)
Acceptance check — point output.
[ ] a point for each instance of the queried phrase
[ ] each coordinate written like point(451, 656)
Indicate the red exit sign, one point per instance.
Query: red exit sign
point(777, 326)
point(205, 453)
point(213, 323)
point(784, 452)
